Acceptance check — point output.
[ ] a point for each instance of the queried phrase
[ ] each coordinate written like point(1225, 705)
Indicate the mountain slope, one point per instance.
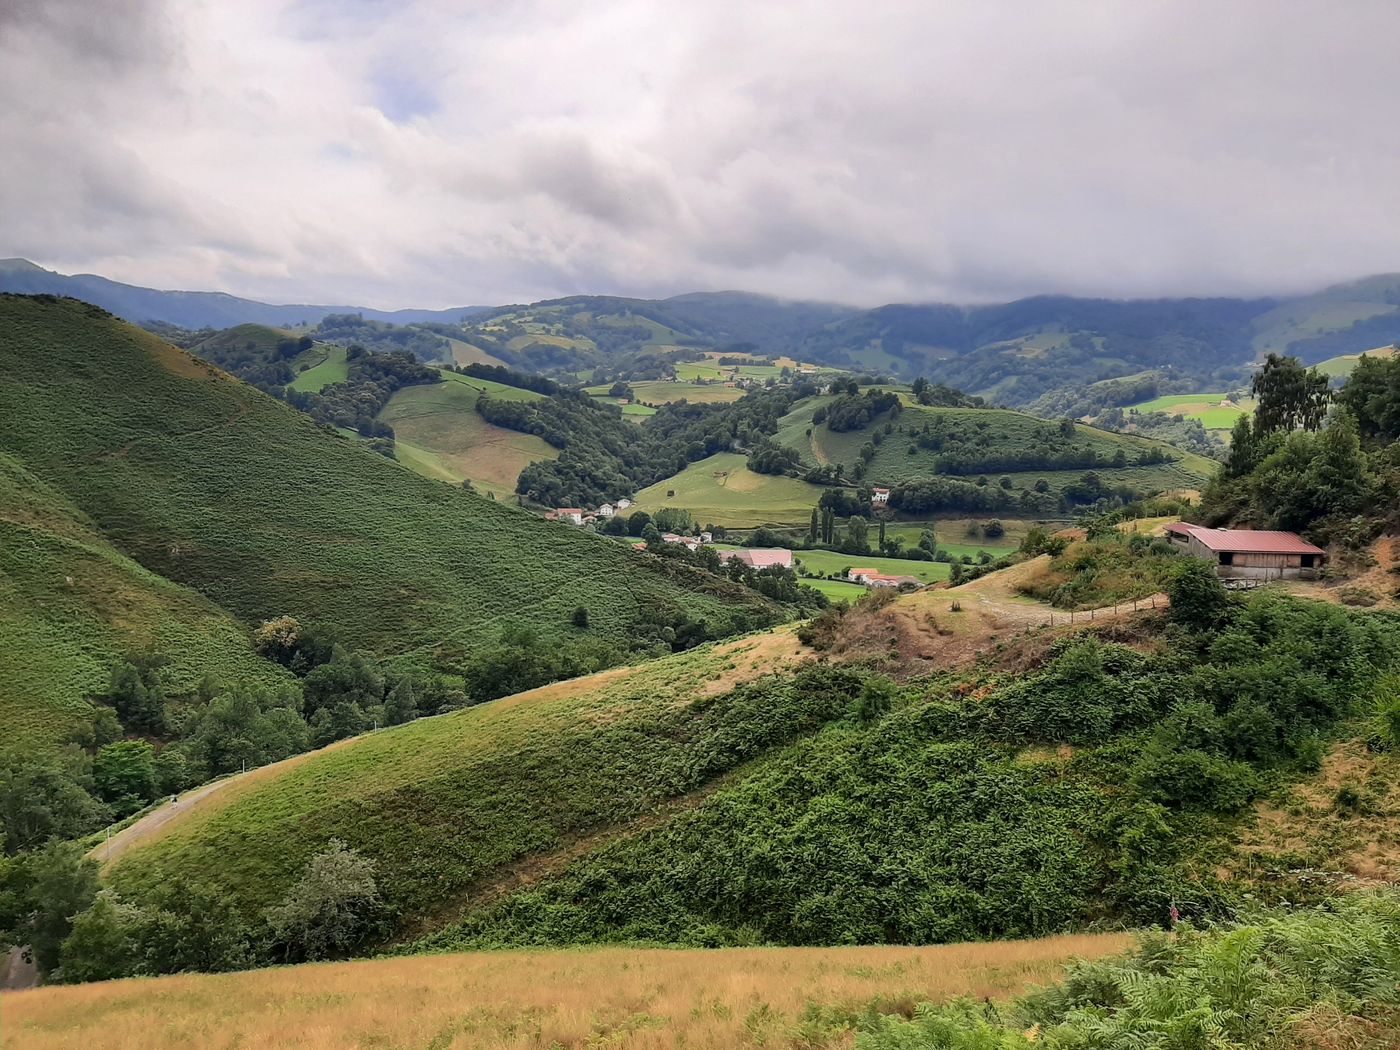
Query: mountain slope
point(217, 486)
point(190, 309)
point(71, 606)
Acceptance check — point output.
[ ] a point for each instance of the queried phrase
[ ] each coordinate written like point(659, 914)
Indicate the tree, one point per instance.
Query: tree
point(100, 947)
point(43, 798)
point(125, 775)
point(1198, 599)
point(1289, 397)
point(637, 522)
point(580, 617)
point(857, 533)
point(331, 908)
point(814, 527)
point(651, 536)
point(1372, 394)
point(138, 698)
point(59, 884)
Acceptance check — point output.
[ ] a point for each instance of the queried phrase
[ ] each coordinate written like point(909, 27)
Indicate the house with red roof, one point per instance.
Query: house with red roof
point(1249, 554)
point(759, 557)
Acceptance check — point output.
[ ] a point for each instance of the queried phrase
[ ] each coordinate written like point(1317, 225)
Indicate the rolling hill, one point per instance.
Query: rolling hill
point(190, 309)
point(439, 433)
point(743, 793)
point(212, 485)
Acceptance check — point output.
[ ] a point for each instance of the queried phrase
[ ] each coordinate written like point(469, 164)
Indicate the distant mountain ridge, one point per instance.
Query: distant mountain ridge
point(1033, 351)
point(194, 309)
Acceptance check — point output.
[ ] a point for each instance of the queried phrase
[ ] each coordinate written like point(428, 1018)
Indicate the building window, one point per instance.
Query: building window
point(1308, 561)
point(1227, 557)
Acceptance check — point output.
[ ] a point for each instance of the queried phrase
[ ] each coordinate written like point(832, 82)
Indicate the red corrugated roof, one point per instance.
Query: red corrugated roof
point(1253, 541)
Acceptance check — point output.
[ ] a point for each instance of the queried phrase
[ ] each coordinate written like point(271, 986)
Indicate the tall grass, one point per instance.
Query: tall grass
point(613, 997)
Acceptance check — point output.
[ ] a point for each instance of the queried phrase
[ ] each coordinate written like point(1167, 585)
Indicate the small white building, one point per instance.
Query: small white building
point(573, 515)
point(623, 503)
point(606, 511)
point(707, 537)
point(879, 496)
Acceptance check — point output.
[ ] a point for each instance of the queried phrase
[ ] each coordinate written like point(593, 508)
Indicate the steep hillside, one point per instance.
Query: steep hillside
point(214, 485)
point(72, 606)
point(1033, 779)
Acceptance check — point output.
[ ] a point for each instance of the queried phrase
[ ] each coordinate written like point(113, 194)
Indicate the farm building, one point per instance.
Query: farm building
point(574, 515)
point(875, 578)
point(879, 495)
point(1249, 554)
point(606, 511)
point(759, 557)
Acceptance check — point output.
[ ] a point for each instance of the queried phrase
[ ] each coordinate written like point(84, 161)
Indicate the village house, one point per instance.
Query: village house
point(879, 496)
point(759, 557)
point(707, 537)
point(623, 504)
point(875, 578)
point(573, 515)
point(1249, 554)
point(606, 511)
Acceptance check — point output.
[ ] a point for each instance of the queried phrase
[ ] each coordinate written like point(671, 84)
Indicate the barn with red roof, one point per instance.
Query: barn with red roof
point(1245, 554)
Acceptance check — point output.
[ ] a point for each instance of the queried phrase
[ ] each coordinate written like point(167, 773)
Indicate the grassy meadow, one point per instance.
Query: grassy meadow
point(438, 433)
point(1205, 407)
point(721, 490)
point(218, 487)
point(658, 999)
point(664, 391)
point(327, 365)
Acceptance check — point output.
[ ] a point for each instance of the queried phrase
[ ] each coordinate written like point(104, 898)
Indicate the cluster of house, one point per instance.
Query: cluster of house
point(1249, 554)
point(690, 542)
point(875, 578)
point(579, 516)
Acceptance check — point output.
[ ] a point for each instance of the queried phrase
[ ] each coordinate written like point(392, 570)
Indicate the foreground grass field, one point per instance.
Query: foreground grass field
point(615, 997)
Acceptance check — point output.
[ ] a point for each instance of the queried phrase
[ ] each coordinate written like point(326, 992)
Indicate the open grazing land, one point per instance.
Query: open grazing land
point(722, 490)
point(622, 997)
point(1216, 411)
point(438, 433)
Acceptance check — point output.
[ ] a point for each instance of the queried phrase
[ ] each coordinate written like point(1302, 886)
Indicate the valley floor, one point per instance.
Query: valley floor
point(618, 997)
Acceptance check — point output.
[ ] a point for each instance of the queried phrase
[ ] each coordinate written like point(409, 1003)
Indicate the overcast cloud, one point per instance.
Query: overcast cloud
point(431, 153)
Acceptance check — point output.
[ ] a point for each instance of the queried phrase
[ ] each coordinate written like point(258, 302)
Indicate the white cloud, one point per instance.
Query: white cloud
point(429, 154)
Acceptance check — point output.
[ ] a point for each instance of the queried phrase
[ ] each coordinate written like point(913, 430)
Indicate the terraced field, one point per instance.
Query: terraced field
point(439, 434)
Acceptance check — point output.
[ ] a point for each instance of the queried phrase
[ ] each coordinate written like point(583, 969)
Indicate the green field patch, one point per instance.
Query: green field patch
point(665, 391)
point(1209, 408)
point(721, 490)
point(1340, 367)
point(327, 365)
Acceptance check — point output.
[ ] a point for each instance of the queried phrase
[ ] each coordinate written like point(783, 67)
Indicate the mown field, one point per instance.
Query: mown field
point(829, 563)
point(1339, 367)
point(1205, 407)
point(326, 365)
point(438, 433)
point(664, 391)
point(216, 486)
point(628, 998)
point(721, 490)
point(72, 606)
point(1000, 432)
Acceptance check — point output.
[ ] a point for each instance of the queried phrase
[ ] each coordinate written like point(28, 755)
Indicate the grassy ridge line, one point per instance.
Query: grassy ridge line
point(442, 803)
point(210, 483)
point(654, 998)
point(71, 606)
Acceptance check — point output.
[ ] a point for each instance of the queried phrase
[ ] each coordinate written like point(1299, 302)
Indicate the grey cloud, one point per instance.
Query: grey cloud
point(430, 153)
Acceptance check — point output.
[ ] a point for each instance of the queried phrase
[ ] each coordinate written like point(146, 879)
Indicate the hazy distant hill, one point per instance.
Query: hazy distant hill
point(190, 309)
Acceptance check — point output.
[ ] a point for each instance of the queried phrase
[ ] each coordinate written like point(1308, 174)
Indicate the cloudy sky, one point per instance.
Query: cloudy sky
point(435, 153)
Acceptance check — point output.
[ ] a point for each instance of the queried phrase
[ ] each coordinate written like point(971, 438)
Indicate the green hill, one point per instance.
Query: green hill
point(723, 796)
point(439, 433)
point(71, 606)
point(218, 487)
point(993, 443)
point(721, 490)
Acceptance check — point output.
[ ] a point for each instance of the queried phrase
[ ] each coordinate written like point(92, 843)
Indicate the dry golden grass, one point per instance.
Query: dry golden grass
point(618, 997)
